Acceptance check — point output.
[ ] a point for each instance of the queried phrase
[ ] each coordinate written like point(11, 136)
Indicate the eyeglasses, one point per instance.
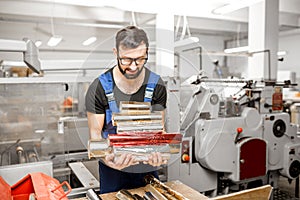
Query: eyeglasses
point(128, 61)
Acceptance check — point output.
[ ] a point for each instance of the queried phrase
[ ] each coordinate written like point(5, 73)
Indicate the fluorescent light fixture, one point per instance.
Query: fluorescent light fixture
point(233, 6)
point(54, 40)
point(89, 41)
point(237, 49)
point(186, 41)
point(89, 3)
point(40, 131)
point(281, 53)
point(38, 43)
point(12, 45)
point(246, 49)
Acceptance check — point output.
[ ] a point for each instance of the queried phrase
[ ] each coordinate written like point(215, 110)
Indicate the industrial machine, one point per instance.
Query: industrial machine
point(39, 133)
point(42, 119)
point(236, 136)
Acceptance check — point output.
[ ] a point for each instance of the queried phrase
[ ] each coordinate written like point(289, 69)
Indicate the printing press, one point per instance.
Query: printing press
point(235, 136)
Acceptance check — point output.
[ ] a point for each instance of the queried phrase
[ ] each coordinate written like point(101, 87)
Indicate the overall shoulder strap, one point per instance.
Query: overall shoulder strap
point(152, 81)
point(108, 86)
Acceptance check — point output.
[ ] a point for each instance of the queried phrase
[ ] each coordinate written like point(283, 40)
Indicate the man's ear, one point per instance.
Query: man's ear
point(115, 51)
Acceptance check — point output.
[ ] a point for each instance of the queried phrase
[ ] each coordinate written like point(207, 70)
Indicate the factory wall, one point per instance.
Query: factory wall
point(190, 61)
point(290, 44)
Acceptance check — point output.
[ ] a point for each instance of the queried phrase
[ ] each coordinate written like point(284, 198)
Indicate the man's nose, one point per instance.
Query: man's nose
point(133, 66)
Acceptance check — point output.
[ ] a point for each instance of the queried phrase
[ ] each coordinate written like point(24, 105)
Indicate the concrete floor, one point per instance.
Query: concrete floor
point(286, 190)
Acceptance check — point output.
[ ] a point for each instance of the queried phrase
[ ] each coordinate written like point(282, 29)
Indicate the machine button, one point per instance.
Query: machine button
point(185, 157)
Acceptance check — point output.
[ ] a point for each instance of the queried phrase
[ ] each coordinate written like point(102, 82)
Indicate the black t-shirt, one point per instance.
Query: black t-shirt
point(96, 100)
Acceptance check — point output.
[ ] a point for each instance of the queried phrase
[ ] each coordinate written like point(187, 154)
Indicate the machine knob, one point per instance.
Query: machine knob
point(239, 130)
point(242, 161)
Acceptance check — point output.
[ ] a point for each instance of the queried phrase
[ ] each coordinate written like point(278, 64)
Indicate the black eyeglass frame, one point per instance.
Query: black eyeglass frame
point(143, 60)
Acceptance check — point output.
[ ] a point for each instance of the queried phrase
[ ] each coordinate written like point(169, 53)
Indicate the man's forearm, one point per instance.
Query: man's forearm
point(95, 135)
point(95, 123)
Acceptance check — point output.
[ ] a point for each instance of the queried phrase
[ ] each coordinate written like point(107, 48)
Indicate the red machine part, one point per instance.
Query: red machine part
point(5, 189)
point(185, 157)
point(239, 130)
point(185, 151)
point(277, 101)
point(253, 154)
point(41, 185)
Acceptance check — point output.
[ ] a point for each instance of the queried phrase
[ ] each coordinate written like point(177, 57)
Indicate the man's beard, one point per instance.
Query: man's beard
point(130, 76)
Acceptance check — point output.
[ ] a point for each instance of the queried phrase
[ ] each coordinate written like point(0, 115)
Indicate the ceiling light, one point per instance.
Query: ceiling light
point(233, 6)
point(38, 43)
point(281, 53)
point(186, 41)
point(237, 49)
point(14, 63)
point(54, 40)
point(246, 49)
point(89, 41)
point(89, 3)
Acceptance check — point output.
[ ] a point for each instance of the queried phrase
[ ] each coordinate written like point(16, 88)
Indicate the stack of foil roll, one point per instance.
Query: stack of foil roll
point(139, 132)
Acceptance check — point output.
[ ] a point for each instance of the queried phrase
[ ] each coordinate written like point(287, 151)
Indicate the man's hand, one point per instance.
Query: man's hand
point(125, 160)
point(155, 159)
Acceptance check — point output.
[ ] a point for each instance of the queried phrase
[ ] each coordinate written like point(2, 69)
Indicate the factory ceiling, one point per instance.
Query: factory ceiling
point(76, 20)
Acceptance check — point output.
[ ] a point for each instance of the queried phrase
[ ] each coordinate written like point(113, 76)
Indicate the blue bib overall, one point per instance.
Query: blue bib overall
point(112, 180)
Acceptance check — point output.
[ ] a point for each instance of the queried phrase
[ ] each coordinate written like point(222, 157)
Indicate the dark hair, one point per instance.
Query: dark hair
point(131, 37)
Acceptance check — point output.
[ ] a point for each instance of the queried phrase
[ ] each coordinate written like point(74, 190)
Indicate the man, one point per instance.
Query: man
point(129, 80)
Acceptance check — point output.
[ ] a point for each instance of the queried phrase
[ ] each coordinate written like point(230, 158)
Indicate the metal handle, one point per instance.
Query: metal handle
point(60, 186)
